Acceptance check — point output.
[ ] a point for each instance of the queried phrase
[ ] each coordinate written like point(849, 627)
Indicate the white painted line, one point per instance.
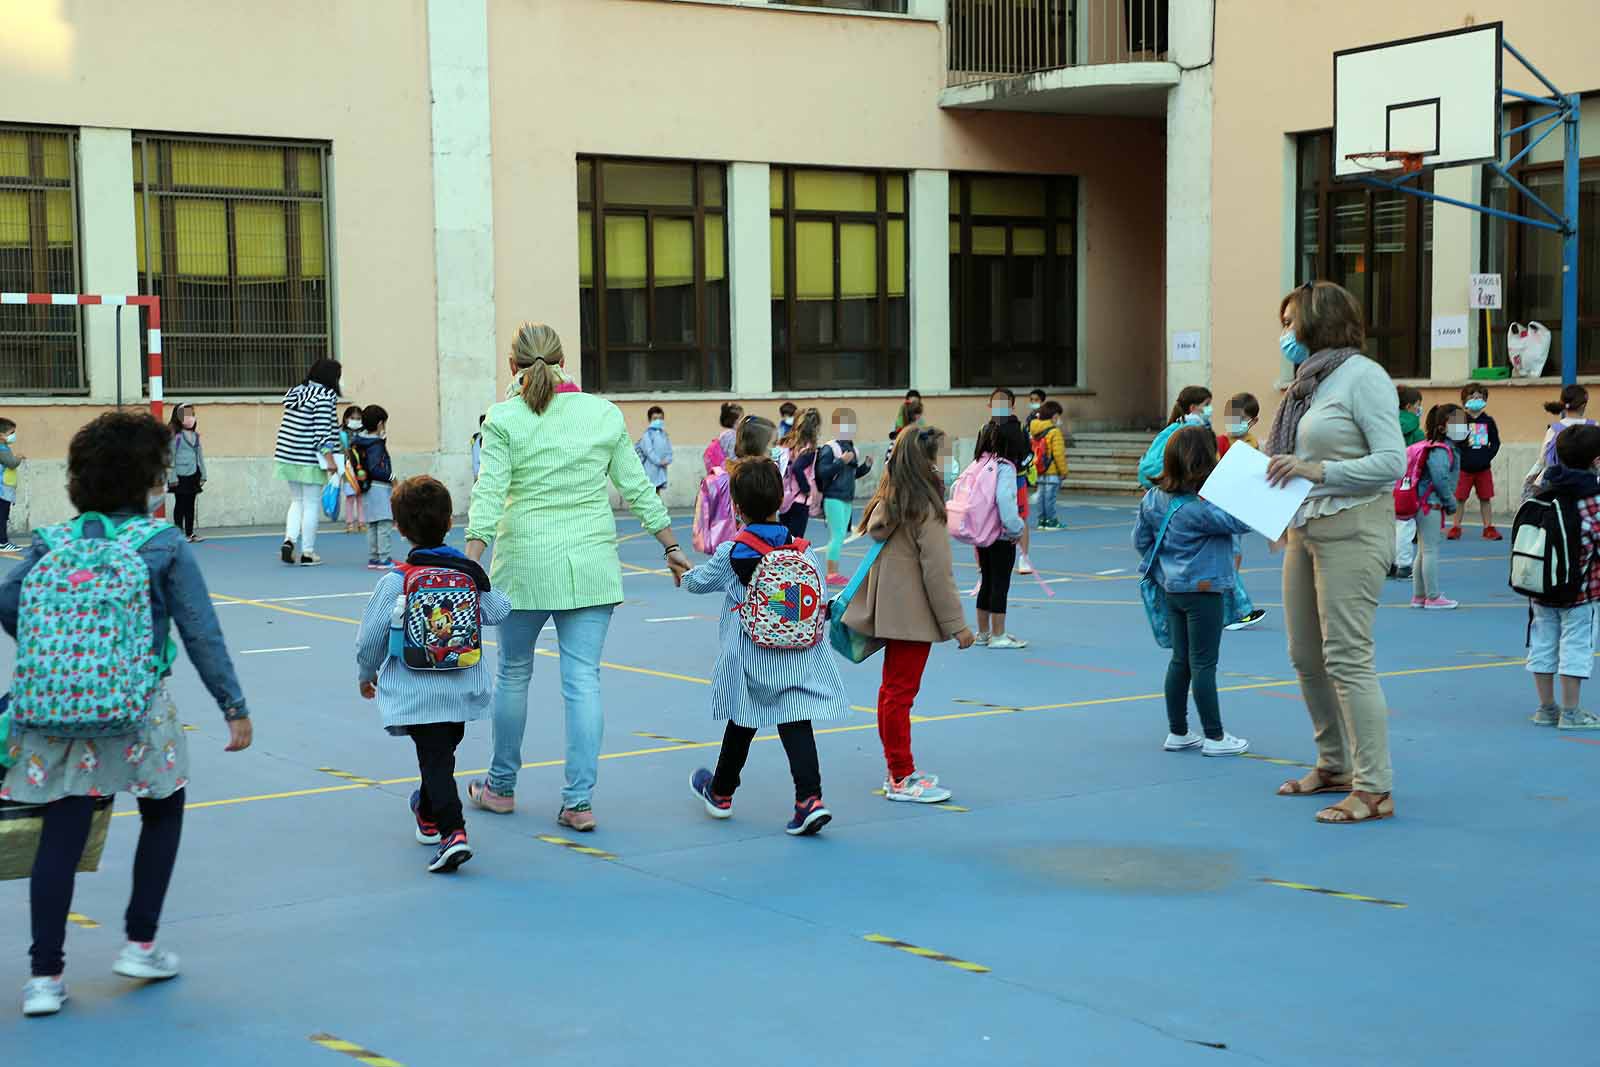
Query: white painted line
point(286, 648)
point(674, 618)
point(1113, 570)
point(1055, 581)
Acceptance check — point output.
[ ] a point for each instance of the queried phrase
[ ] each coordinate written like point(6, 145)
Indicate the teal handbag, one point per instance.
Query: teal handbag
point(1151, 591)
point(853, 646)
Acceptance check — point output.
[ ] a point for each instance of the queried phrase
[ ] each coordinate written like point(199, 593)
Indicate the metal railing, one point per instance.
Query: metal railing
point(988, 39)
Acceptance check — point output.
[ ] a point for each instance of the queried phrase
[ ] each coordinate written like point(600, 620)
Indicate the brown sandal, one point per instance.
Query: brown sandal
point(1316, 780)
point(1359, 807)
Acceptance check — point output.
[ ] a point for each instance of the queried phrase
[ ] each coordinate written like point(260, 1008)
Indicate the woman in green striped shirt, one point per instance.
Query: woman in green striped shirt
point(549, 454)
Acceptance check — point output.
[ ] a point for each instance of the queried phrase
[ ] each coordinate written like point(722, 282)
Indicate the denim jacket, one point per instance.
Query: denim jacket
point(1197, 554)
point(178, 595)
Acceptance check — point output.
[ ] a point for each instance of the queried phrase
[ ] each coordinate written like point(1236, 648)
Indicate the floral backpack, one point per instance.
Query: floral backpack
point(782, 606)
point(86, 661)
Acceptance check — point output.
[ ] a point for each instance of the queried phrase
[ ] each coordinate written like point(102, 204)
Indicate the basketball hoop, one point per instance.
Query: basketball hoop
point(1388, 163)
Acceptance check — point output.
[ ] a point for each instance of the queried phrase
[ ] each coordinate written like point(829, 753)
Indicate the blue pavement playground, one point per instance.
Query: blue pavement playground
point(1085, 898)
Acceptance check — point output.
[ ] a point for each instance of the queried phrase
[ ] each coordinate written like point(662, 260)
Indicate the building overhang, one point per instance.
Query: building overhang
point(1124, 89)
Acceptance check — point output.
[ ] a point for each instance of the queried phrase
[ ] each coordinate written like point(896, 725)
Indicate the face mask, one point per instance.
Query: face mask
point(1456, 432)
point(776, 453)
point(1294, 349)
point(1032, 406)
point(188, 422)
point(154, 502)
point(1205, 412)
point(845, 430)
point(1239, 427)
point(11, 438)
point(999, 411)
point(1476, 404)
point(658, 424)
point(353, 427)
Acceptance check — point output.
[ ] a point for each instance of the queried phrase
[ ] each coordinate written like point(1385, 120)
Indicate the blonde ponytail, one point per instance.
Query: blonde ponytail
point(536, 350)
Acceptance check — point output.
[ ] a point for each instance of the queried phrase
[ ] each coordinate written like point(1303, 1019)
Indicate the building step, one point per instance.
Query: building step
point(1101, 485)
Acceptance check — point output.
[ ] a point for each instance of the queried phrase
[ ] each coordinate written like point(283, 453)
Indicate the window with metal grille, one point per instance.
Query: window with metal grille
point(841, 318)
point(233, 236)
point(652, 276)
point(41, 347)
point(895, 6)
point(1013, 281)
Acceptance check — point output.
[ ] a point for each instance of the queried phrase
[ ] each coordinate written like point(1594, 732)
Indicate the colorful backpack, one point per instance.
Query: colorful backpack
point(973, 512)
point(791, 487)
point(86, 660)
point(1042, 456)
point(714, 455)
point(440, 628)
point(1408, 495)
point(713, 513)
point(355, 465)
point(782, 606)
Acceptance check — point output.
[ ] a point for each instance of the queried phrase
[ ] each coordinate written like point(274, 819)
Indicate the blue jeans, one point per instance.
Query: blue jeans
point(1049, 486)
point(582, 636)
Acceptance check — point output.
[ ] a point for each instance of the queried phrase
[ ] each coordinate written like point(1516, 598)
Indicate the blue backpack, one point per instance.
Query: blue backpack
point(1156, 455)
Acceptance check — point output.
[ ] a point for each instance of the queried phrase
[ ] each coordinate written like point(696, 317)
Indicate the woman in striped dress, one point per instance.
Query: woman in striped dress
point(307, 438)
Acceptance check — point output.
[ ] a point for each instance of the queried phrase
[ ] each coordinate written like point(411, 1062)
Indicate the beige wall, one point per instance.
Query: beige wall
point(1274, 76)
point(622, 77)
point(306, 69)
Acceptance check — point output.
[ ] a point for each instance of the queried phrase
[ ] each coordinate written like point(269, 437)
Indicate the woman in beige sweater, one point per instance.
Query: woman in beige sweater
point(1336, 427)
point(909, 601)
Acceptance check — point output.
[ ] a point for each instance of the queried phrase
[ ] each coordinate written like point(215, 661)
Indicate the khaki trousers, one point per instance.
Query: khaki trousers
point(1333, 571)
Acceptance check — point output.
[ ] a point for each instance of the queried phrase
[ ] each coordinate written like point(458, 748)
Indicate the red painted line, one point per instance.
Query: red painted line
point(1581, 740)
point(38, 298)
point(1082, 667)
point(87, 299)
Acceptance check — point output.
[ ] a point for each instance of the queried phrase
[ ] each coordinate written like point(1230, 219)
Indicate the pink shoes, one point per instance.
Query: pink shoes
point(580, 818)
point(1439, 603)
point(482, 796)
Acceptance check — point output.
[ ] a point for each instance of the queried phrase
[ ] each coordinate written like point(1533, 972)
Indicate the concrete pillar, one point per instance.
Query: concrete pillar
point(1188, 258)
point(463, 220)
point(110, 259)
point(930, 279)
point(750, 275)
point(1454, 235)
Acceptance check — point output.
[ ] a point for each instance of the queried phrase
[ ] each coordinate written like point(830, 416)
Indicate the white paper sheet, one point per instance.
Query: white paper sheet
point(1239, 487)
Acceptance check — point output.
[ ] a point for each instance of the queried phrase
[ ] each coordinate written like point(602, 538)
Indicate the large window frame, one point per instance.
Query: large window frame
point(1052, 361)
point(225, 331)
point(1401, 342)
point(1513, 250)
point(41, 345)
point(710, 352)
point(892, 7)
point(884, 359)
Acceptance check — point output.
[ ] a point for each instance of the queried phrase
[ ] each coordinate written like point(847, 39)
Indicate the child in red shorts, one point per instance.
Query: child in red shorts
point(1482, 444)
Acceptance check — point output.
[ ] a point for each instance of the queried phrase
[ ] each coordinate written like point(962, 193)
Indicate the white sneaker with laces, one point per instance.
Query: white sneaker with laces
point(9, 547)
point(1578, 719)
point(914, 790)
point(1024, 564)
point(1228, 746)
point(1175, 743)
point(43, 996)
point(154, 962)
point(982, 640)
point(1007, 641)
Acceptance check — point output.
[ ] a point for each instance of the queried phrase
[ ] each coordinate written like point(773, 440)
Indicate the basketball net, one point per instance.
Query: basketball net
point(1387, 162)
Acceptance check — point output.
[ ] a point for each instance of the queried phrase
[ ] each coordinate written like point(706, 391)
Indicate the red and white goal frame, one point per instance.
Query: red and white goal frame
point(152, 306)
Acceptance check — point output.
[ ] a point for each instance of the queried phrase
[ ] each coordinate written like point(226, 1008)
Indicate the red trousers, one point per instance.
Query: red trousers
point(903, 662)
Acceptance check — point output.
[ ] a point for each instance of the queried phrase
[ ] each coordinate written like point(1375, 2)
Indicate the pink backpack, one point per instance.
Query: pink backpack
point(713, 513)
point(783, 606)
point(973, 512)
point(714, 455)
point(1408, 496)
point(791, 487)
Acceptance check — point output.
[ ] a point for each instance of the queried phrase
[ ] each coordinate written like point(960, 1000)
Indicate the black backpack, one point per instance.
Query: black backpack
point(1547, 559)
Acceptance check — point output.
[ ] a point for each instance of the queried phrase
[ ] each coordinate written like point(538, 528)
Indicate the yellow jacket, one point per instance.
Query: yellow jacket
point(1057, 443)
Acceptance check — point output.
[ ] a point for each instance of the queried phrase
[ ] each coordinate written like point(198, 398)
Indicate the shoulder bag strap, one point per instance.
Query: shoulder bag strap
point(751, 541)
point(1150, 556)
point(860, 575)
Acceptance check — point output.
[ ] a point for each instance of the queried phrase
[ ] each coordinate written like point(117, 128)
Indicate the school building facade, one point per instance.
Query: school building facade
point(827, 201)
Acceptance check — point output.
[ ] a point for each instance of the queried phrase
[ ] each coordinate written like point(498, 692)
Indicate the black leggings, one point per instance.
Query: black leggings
point(798, 742)
point(61, 843)
point(188, 488)
point(995, 563)
point(796, 519)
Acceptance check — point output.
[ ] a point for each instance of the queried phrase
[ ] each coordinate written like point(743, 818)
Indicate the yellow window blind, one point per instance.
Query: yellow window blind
point(1027, 241)
point(858, 260)
point(955, 237)
point(313, 242)
point(585, 250)
point(202, 237)
point(227, 166)
point(625, 252)
point(835, 190)
point(988, 240)
point(897, 257)
point(674, 251)
point(1017, 197)
point(13, 219)
point(813, 251)
point(716, 249)
point(259, 241)
point(779, 288)
point(776, 181)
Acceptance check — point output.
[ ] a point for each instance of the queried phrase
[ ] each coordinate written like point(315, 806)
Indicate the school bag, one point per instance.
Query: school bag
point(973, 512)
point(86, 660)
point(355, 465)
point(714, 455)
point(782, 606)
point(440, 628)
point(1408, 495)
point(713, 513)
point(816, 480)
point(1155, 457)
point(1558, 426)
point(1547, 561)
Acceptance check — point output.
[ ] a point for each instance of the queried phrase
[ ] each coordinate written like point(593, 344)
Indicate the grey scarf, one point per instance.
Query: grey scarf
point(1297, 399)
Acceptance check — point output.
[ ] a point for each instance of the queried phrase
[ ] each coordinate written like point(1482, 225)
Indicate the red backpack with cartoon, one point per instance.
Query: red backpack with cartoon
point(440, 628)
point(782, 606)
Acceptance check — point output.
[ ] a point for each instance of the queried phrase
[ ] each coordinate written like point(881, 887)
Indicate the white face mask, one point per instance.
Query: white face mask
point(845, 430)
point(354, 426)
point(11, 438)
point(1456, 431)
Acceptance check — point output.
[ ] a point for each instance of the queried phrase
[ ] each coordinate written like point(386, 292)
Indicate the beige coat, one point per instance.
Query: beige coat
point(910, 593)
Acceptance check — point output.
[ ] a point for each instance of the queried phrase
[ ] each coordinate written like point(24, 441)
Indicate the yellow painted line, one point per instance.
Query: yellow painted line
point(573, 846)
point(936, 807)
point(82, 920)
point(353, 1050)
point(927, 953)
point(358, 779)
point(664, 737)
point(192, 805)
point(1278, 762)
point(1333, 893)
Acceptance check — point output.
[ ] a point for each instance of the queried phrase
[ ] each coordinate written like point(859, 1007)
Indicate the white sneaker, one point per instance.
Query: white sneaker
point(1174, 743)
point(914, 790)
point(1228, 746)
point(155, 962)
point(982, 640)
point(1007, 641)
point(43, 996)
point(931, 779)
point(9, 547)
point(1024, 564)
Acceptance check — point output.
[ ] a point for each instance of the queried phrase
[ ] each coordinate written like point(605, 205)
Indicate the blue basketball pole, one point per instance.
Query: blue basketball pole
point(1569, 244)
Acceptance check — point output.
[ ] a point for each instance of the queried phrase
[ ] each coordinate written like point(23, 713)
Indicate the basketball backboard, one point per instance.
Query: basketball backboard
point(1436, 96)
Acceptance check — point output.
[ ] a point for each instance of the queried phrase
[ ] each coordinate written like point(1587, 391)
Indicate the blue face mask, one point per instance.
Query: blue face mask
point(1294, 349)
point(658, 424)
point(1205, 412)
point(1000, 411)
point(1477, 404)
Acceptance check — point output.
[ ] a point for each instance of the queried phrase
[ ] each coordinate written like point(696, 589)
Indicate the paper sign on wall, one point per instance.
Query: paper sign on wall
point(1450, 331)
point(1483, 291)
point(1186, 347)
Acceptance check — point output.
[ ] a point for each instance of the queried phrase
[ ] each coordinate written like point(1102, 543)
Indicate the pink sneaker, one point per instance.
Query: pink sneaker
point(580, 818)
point(1439, 603)
point(838, 579)
point(1418, 602)
point(482, 796)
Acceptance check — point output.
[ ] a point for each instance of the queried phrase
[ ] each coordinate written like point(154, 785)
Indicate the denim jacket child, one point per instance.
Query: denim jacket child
point(1197, 554)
